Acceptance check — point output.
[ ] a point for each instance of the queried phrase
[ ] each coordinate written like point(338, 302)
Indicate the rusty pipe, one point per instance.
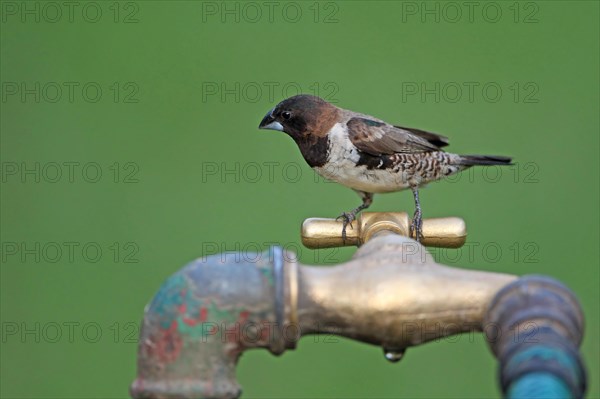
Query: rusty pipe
point(391, 294)
point(203, 318)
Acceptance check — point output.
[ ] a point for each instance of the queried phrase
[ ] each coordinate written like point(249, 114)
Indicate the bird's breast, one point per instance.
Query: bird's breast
point(344, 166)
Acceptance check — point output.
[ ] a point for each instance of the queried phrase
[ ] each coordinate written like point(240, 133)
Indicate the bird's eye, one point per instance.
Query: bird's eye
point(286, 115)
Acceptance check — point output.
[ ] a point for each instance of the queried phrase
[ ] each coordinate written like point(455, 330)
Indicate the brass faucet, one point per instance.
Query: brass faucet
point(391, 294)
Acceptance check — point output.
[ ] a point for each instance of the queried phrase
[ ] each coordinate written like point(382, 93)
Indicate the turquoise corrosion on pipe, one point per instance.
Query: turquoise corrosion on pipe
point(542, 384)
point(539, 386)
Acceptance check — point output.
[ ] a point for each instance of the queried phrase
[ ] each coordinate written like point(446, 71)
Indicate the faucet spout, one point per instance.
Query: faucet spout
point(394, 295)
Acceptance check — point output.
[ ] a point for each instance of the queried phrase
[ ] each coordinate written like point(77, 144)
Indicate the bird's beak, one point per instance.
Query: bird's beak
point(269, 122)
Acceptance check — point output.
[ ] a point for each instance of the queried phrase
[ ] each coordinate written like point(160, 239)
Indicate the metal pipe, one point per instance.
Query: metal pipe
point(391, 294)
point(203, 318)
point(534, 326)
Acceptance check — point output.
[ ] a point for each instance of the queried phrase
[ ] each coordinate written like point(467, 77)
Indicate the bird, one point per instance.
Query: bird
point(367, 154)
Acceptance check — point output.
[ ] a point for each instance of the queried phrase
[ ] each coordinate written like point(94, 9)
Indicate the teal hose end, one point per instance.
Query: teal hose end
point(539, 386)
point(534, 326)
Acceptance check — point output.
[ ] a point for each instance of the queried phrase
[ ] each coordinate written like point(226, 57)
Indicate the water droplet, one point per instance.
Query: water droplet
point(393, 355)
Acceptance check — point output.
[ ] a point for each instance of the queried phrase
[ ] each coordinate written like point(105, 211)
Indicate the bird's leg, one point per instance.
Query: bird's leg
point(348, 217)
point(416, 225)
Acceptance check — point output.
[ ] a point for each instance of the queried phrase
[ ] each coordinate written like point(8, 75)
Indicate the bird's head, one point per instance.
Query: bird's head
point(301, 116)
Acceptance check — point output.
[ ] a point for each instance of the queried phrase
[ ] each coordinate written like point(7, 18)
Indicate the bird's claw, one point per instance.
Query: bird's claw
point(416, 227)
point(348, 218)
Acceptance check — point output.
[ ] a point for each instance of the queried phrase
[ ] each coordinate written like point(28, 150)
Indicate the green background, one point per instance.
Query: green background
point(167, 208)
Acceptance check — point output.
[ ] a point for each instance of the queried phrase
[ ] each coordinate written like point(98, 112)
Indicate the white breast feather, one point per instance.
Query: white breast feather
point(341, 167)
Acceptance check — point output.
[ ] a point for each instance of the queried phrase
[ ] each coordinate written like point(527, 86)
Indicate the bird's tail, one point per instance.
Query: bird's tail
point(472, 160)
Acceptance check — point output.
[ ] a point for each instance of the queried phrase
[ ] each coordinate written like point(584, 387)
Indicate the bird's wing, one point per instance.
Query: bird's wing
point(377, 138)
point(433, 138)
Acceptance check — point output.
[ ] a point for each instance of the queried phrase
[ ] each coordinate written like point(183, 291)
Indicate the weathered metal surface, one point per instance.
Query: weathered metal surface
point(203, 318)
point(535, 326)
point(391, 294)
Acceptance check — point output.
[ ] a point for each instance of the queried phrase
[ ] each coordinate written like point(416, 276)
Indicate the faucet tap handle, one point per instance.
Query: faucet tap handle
point(448, 232)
